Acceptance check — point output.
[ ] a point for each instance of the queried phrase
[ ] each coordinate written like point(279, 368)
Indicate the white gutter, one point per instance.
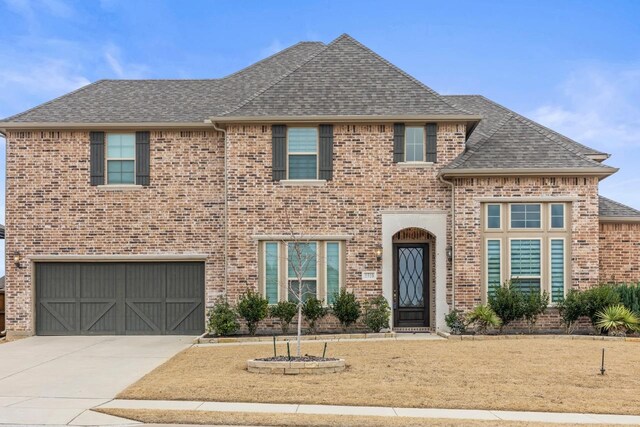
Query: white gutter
point(347, 118)
point(226, 191)
point(453, 240)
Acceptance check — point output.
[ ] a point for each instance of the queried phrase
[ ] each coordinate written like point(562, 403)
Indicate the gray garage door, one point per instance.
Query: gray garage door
point(104, 298)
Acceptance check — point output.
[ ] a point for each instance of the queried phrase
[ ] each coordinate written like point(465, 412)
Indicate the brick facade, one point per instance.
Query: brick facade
point(52, 209)
point(619, 252)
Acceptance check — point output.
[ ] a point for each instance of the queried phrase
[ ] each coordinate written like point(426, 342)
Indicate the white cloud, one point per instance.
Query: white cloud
point(275, 47)
point(598, 107)
point(122, 70)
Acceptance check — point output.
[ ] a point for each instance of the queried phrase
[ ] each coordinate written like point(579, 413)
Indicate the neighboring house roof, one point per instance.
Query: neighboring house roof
point(612, 211)
point(1, 231)
point(493, 114)
point(507, 141)
point(346, 79)
point(166, 101)
point(1, 284)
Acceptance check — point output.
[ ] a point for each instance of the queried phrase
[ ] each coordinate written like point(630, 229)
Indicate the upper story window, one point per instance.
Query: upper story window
point(414, 144)
point(494, 216)
point(557, 216)
point(525, 216)
point(302, 153)
point(121, 158)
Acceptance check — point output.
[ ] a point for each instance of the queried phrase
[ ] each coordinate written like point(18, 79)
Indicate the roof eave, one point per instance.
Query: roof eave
point(4, 126)
point(600, 172)
point(620, 219)
point(346, 118)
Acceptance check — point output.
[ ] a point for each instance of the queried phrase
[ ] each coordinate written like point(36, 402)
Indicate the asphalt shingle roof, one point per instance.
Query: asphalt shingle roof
point(612, 209)
point(493, 114)
point(346, 78)
point(167, 101)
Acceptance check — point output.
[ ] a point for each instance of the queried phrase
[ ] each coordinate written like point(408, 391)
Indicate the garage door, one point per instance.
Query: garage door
point(143, 298)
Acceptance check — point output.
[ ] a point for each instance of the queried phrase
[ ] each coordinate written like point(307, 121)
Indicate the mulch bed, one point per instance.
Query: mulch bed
point(305, 358)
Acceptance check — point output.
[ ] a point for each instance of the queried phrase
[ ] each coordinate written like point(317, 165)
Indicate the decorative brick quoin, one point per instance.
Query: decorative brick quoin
point(133, 206)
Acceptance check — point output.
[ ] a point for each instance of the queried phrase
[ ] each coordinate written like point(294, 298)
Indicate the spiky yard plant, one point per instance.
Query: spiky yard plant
point(617, 320)
point(484, 318)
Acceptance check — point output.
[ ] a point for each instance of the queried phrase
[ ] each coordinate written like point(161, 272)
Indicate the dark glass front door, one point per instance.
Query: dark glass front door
point(411, 285)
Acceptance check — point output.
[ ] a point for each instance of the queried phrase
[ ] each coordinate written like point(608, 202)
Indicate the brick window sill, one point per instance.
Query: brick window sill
point(303, 182)
point(416, 164)
point(126, 187)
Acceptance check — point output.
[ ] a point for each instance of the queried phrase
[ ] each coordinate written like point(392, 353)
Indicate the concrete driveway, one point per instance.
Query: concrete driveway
point(54, 380)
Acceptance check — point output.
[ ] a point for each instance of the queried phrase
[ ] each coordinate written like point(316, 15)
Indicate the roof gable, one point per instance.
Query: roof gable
point(347, 79)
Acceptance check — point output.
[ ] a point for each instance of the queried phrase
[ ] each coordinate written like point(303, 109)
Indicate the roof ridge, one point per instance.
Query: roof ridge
point(401, 71)
point(80, 89)
point(549, 130)
point(622, 205)
point(268, 58)
point(563, 144)
point(275, 82)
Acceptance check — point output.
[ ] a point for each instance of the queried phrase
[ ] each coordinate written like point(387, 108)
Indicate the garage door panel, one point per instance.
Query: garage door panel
point(120, 298)
point(98, 317)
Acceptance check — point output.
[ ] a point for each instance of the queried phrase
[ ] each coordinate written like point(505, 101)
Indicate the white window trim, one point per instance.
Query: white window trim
point(424, 147)
point(564, 269)
point(564, 217)
point(306, 153)
point(317, 243)
point(303, 182)
point(542, 256)
point(486, 261)
point(108, 159)
point(264, 270)
point(486, 217)
point(509, 227)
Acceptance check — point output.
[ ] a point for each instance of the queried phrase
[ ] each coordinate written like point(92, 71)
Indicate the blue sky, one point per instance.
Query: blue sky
point(572, 65)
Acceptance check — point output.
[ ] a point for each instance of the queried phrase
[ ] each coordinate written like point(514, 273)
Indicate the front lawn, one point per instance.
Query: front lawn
point(521, 375)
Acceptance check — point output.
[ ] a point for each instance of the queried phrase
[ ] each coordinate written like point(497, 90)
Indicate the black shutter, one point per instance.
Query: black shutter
point(96, 157)
point(326, 152)
point(432, 142)
point(279, 152)
point(398, 142)
point(143, 154)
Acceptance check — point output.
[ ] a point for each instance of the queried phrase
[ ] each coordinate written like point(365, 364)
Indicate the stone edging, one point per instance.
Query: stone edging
point(290, 338)
point(522, 337)
point(295, 368)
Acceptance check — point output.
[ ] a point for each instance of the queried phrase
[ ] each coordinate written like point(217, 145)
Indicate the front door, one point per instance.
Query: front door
point(411, 284)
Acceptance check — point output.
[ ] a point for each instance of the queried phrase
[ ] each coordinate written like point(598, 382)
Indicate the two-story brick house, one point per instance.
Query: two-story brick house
point(133, 204)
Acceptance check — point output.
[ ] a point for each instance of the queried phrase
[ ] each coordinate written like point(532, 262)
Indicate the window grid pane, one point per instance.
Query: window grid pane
point(309, 289)
point(525, 216)
point(333, 270)
point(271, 272)
point(302, 166)
point(493, 216)
point(414, 144)
point(303, 140)
point(557, 270)
point(557, 216)
point(120, 172)
point(121, 146)
point(493, 265)
point(303, 259)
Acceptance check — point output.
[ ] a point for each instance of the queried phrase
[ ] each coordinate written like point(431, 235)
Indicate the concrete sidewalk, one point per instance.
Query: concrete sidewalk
point(427, 413)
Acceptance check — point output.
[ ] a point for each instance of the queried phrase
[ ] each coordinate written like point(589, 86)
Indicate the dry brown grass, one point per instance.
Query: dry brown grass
point(520, 375)
point(155, 416)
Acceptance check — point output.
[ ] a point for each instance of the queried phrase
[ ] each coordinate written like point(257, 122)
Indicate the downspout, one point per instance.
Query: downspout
point(453, 240)
point(226, 228)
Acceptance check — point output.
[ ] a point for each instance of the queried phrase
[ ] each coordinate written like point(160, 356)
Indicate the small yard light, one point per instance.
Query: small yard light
point(379, 252)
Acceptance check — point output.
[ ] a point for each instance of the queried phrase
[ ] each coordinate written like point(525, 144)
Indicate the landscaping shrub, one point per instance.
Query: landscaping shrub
point(571, 307)
point(508, 303)
point(222, 319)
point(484, 318)
point(284, 311)
point(596, 299)
point(313, 310)
point(377, 313)
point(253, 307)
point(346, 308)
point(455, 320)
point(535, 304)
point(630, 297)
point(617, 320)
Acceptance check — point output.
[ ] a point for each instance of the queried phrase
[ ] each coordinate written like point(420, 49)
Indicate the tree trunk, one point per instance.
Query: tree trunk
point(299, 326)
